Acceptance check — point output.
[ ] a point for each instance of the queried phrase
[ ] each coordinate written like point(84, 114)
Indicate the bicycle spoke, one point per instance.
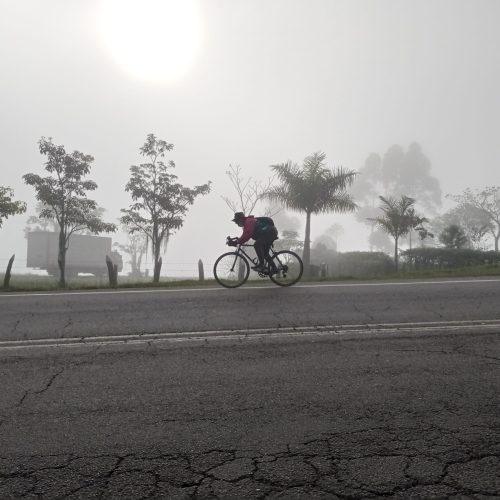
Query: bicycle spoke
point(289, 268)
point(231, 270)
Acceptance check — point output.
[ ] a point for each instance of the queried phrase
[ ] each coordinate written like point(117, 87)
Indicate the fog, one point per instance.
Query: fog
point(262, 83)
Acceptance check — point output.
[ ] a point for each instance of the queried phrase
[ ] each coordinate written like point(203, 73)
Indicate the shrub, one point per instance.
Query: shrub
point(446, 258)
point(356, 264)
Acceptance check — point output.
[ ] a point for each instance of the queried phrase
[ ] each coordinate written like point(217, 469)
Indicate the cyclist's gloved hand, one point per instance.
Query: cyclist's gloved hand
point(232, 242)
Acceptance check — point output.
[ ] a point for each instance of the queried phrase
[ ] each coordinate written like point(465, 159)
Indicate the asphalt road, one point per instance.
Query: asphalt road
point(125, 312)
point(353, 391)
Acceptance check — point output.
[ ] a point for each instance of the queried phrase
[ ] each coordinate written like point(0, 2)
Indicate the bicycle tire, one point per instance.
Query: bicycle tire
point(290, 268)
point(231, 270)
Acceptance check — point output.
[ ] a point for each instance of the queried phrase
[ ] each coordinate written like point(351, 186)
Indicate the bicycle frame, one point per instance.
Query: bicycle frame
point(241, 250)
point(284, 267)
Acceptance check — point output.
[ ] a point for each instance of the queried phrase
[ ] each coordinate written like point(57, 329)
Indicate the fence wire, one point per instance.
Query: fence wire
point(187, 270)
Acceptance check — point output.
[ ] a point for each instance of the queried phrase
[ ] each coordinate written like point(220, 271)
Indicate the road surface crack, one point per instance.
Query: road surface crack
point(42, 390)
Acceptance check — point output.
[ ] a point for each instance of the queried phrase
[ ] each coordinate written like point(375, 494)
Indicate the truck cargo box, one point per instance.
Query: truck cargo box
point(86, 253)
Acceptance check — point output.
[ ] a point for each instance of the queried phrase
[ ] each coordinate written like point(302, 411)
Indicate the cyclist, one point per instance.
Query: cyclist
point(263, 231)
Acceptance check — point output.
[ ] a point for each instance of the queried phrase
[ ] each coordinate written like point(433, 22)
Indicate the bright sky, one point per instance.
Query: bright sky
point(250, 82)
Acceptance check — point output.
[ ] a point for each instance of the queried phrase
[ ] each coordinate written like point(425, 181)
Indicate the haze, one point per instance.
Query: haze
point(253, 83)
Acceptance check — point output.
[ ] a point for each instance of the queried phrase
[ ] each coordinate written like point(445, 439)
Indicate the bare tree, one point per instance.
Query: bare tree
point(249, 191)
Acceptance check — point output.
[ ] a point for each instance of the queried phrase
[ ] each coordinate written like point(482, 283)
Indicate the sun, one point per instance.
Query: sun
point(152, 40)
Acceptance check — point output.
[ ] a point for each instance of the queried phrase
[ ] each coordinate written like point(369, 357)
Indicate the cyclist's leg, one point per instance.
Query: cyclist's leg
point(270, 238)
point(259, 246)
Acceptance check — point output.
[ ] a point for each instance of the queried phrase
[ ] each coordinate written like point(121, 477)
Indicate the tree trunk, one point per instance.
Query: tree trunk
point(497, 237)
point(156, 243)
point(156, 276)
point(61, 259)
point(306, 255)
point(201, 272)
point(372, 229)
point(396, 253)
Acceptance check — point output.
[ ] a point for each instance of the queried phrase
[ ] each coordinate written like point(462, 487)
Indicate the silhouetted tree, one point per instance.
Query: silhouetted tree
point(408, 174)
point(398, 173)
point(63, 194)
point(312, 188)
point(136, 248)
point(453, 236)
point(289, 240)
point(8, 206)
point(474, 222)
point(416, 223)
point(397, 219)
point(487, 201)
point(36, 223)
point(160, 202)
point(379, 241)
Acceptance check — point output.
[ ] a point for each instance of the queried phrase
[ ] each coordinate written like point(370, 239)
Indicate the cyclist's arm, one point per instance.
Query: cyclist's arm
point(248, 230)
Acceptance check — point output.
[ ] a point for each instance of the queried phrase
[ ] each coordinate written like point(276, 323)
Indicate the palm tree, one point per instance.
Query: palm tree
point(416, 223)
point(398, 219)
point(312, 188)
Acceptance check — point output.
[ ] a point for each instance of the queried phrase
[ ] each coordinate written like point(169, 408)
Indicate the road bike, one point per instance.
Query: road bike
point(232, 269)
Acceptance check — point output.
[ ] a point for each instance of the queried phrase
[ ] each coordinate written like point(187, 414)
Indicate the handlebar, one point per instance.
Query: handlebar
point(231, 241)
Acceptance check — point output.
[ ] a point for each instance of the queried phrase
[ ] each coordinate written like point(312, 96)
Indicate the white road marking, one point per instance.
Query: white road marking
point(249, 287)
point(255, 334)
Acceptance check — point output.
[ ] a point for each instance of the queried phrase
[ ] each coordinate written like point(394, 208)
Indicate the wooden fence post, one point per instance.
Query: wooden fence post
point(201, 272)
point(112, 272)
point(6, 279)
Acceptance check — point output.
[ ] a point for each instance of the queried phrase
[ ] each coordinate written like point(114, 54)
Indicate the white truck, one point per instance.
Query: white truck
point(86, 253)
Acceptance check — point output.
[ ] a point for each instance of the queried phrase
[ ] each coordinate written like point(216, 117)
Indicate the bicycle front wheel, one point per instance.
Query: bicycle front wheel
point(231, 270)
point(290, 268)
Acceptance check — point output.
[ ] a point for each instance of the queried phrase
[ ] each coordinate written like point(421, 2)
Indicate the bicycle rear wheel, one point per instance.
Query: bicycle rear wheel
point(231, 270)
point(290, 268)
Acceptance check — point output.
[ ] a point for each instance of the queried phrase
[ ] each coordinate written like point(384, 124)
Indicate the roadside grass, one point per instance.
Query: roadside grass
point(32, 282)
point(462, 272)
point(37, 283)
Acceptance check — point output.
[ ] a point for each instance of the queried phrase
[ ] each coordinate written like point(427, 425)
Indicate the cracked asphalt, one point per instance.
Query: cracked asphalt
point(324, 418)
point(389, 415)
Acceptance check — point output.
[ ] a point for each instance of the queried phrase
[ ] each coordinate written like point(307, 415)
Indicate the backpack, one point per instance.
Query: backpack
point(262, 225)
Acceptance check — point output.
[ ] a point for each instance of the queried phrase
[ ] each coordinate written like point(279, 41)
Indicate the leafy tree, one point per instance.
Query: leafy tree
point(8, 206)
point(424, 234)
point(63, 194)
point(289, 240)
point(312, 188)
point(453, 237)
point(474, 222)
point(397, 220)
point(380, 241)
point(136, 247)
point(487, 201)
point(366, 189)
point(408, 174)
point(36, 223)
point(160, 203)
point(325, 241)
point(398, 173)
point(416, 223)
